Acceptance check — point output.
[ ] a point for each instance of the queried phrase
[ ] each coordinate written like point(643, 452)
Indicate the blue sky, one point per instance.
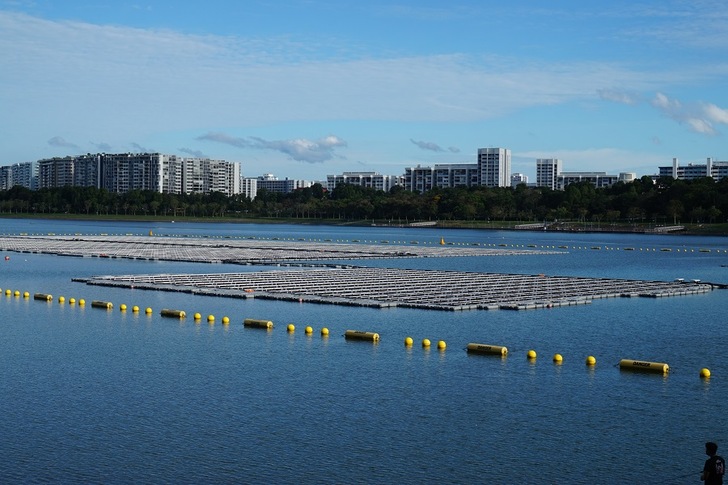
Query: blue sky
point(307, 88)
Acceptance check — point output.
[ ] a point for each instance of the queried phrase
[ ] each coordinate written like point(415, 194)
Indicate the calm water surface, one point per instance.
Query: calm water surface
point(95, 396)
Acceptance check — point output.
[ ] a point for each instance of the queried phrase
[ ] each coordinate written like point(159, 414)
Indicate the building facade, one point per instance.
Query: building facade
point(124, 172)
point(518, 178)
point(547, 171)
point(597, 179)
point(24, 174)
point(492, 169)
point(715, 169)
point(370, 180)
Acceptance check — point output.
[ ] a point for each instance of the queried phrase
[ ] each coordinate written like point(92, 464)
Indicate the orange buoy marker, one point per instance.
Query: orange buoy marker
point(474, 348)
point(359, 335)
point(254, 323)
point(644, 366)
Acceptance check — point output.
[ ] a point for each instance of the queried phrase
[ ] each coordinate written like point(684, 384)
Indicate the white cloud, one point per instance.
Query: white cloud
point(300, 149)
point(716, 114)
point(618, 96)
point(698, 117)
point(58, 141)
point(133, 78)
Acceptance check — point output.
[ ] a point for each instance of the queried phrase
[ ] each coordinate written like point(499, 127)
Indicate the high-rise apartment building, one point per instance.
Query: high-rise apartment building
point(371, 180)
point(123, 172)
point(24, 174)
point(547, 172)
point(55, 172)
point(494, 166)
point(492, 169)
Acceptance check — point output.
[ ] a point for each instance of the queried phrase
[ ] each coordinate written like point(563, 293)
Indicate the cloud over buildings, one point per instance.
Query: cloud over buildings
point(434, 147)
point(58, 141)
point(299, 149)
point(698, 117)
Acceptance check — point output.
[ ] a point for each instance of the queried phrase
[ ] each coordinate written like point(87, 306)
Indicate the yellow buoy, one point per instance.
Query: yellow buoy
point(426, 342)
point(197, 316)
point(324, 332)
point(591, 360)
point(487, 349)
point(211, 318)
point(148, 310)
point(16, 293)
point(309, 330)
point(441, 345)
point(72, 301)
point(8, 292)
point(359, 335)
point(408, 341)
point(122, 307)
point(291, 328)
point(166, 312)
point(42, 296)
point(705, 372)
point(26, 294)
point(61, 299)
point(558, 358)
point(531, 354)
point(225, 320)
point(135, 309)
point(644, 366)
point(81, 302)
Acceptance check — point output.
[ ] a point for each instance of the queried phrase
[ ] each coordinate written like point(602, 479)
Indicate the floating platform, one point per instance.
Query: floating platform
point(390, 287)
point(237, 251)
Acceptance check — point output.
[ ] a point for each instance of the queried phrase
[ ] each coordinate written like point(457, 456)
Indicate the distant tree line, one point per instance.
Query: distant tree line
point(668, 201)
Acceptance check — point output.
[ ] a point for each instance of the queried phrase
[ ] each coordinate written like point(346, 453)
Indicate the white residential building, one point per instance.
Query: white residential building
point(371, 180)
point(547, 171)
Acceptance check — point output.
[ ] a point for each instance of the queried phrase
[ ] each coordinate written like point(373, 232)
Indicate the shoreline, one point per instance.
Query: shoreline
point(716, 230)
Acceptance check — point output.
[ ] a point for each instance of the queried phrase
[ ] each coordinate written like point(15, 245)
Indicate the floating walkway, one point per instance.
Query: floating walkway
point(422, 289)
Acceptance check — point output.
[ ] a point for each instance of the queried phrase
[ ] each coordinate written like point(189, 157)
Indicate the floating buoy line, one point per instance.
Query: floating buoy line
point(633, 365)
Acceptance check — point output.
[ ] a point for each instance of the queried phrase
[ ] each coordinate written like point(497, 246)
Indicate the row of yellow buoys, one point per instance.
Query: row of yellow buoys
point(476, 348)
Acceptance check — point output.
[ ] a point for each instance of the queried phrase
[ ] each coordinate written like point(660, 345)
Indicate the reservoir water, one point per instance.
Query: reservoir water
point(97, 396)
